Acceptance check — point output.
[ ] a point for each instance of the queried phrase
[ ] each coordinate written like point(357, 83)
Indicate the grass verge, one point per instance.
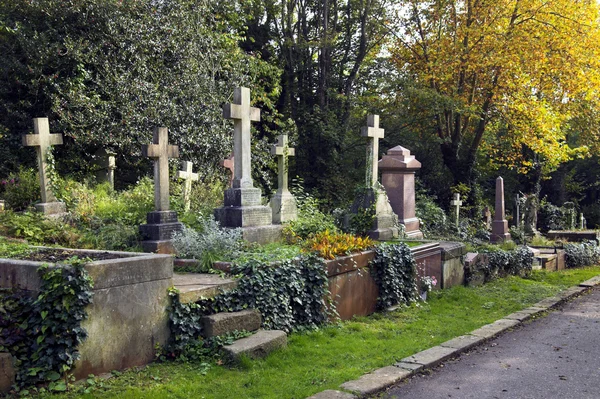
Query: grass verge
point(324, 359)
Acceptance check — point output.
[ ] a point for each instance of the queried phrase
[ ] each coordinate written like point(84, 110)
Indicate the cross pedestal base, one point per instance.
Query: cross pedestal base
point(384, 223)
point(51, 208)
point(499, 231)
point(284, 207)
point(158, 231)
point(262, 234)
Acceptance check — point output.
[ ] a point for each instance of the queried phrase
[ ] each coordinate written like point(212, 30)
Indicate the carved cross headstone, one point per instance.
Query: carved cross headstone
point(160, 151)
point(456, 202)
point(229, 163)
point(374, 132)
point(282, 151)
point(188, 176)
point(42, 139)
point(242, 114)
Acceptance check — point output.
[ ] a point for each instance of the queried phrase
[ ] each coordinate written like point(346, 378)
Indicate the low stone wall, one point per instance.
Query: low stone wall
point(128, 315)
point(453, 266)
point(575, 235)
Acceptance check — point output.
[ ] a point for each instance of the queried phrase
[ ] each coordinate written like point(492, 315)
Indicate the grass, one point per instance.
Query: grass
point(324, 359)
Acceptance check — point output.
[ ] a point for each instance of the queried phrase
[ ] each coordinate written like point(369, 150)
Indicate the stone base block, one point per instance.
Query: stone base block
point(161, 217)
point(262, 234)
point(160, 232)
point(242, 197)
point(256, 346)
point(7, 372)
point(499, 231)
point(411, 228)
point(51, 208)
point(224, 323)
point(158, 246)
point(244, 216)
point(284, 207)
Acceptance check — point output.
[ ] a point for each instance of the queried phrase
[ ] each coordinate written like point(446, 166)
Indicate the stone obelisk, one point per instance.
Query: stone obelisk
point(500, 224)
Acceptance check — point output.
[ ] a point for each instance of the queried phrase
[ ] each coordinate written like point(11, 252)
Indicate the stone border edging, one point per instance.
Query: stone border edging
point(382, 378)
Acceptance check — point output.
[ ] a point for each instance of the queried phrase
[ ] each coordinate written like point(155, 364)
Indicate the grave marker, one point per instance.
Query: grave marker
point(374, 133)
point(42, 140)
point(456, 202)
point(500, 224)
point(106, 164)
point(283, 202)
point(188, 176)
point(229, 163)
point(582, 223)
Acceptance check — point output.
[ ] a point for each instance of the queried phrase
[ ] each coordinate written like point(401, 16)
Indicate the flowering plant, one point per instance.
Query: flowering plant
point(427, 283)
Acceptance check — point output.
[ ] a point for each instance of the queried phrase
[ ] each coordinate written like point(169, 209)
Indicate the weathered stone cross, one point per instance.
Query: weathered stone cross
point(456, 202)
point(373, 131)
point(188, 176)
point(42, 140)
point(282, 151)
point(160, 151)
point(242, 114)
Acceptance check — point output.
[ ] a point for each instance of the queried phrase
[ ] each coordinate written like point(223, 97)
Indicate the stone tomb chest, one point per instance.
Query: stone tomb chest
point(128, 315)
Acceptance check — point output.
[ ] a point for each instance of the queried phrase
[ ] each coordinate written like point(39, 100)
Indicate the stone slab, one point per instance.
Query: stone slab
point(520, 316)
point(574, 236)
point(195, 286)
point(244, 216)
point(7, 372)
point(262, 234)
point(594, 281)
point(257, 345)
point(377, 380)
point(158, 246)
point(463, 343)
point(491, 330)
point(451, 250)
point(242, 197)
point(160, 217)
point(223, 323)
point(548, 303)
point(431, 357)
point(160, 232)
point(51, 208)
point(572, 292)
point(331, 394)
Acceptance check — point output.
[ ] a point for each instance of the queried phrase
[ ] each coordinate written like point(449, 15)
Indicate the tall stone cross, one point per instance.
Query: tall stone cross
point(456, 202)
point(374, 132)
point(160, 151)
point(242, 114)
point(188, 176)
point(42, 139)
point(282, 151)
point(229, 163)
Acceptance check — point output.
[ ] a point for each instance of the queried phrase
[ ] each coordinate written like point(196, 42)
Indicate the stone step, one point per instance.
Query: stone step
point(223, 323)
point(256, 346)
point(195, 286)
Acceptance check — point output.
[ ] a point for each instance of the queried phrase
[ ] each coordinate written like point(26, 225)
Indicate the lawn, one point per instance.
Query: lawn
point(324, 359)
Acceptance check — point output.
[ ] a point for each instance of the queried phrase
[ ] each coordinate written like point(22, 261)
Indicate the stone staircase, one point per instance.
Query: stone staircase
point(194, 286)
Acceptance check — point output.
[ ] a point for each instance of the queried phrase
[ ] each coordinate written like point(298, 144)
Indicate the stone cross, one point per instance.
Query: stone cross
point(374, 132)
point(282, 151)
point(242, 114)
point(229, 163)
point(111, 165)
point(42, 139)
point(499, 225)
point(518, 210)
point(456, 202)
point(581, 221)
point(160, 151)
point(188, 176)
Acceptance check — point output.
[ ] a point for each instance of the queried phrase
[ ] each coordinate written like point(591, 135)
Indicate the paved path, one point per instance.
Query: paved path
point(557, 356)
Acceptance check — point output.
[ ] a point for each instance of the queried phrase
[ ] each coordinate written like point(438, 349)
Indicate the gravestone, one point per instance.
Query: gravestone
point(105, 167)
point(456, 202)
point(570, 215)
point(242, 204)
point(162, 223)
point(487, 217)
point(398, 169)
point(42, 140)
point(517, 209)
point(283, 202)
point(188, 177)
point(500, 224)
point(229, 163)
point(582, 222)
point(530, 208)
point(385, 222)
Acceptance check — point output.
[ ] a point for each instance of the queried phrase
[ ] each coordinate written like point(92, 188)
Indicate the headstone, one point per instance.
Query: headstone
point(242, 205)
point(162, 223)
point(283, 202)
point(530, 214)
point(487, 217)
point(105, 167)
point(500, 224)
point(385, 223)
point(581, 221)
point(188, 177)
point(456, 202)
point(398, 169)
point(42, 140)
point(229, 163)
point(517, 216)
point(570, 215)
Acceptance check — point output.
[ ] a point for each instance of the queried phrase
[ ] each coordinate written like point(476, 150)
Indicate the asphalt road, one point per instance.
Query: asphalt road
point(557, 356)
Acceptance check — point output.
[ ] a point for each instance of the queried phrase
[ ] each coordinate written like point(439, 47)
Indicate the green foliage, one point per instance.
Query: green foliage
point(12, 249)
point(20, 190)
point(331, 245)
point(434, 221)
point(35, 228)
point(185, 324)
point(43, 333)
point(395, 271)
point(586, 253)
point(501, 263)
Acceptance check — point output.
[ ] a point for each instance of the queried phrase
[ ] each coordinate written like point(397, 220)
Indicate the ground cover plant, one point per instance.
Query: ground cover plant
point(324, 358)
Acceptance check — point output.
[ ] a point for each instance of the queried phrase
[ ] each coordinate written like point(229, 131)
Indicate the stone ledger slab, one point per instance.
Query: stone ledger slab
point(256, 346)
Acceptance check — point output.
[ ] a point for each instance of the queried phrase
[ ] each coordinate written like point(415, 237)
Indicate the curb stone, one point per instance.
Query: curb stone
point(383, 378)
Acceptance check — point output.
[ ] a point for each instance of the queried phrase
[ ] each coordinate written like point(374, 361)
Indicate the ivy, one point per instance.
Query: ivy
point(500, 263)
point(43, 333)
point(394, 270)
point(581, 254)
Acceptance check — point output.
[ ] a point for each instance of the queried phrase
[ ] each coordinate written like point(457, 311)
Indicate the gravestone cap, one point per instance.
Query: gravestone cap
point(398, 158)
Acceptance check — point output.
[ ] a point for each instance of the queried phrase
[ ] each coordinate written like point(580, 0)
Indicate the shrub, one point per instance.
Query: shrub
point(434, 221)
point(516, 262)
point(329, 245)
point(210, 244)
point(112, 237)
point(21, 189)
point(38, 229)
point(550, 217)
point(394, 270)
point(586, 253)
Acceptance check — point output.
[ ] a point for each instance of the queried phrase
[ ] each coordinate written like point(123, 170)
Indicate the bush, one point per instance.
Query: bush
point(582, 254)
point(394, 270)
point(434, 221)
point(112, 237)
point(21, 189)
point(516, 262)
point(311, 220)
point(210, 244)
point(36, 228)
point(550, 217)
point(329, 245)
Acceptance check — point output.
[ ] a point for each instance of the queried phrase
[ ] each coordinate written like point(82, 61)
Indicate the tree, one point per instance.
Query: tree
point(506, 78)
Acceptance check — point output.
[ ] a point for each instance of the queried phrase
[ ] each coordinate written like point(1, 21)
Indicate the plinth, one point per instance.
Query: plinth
point(158, 232)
